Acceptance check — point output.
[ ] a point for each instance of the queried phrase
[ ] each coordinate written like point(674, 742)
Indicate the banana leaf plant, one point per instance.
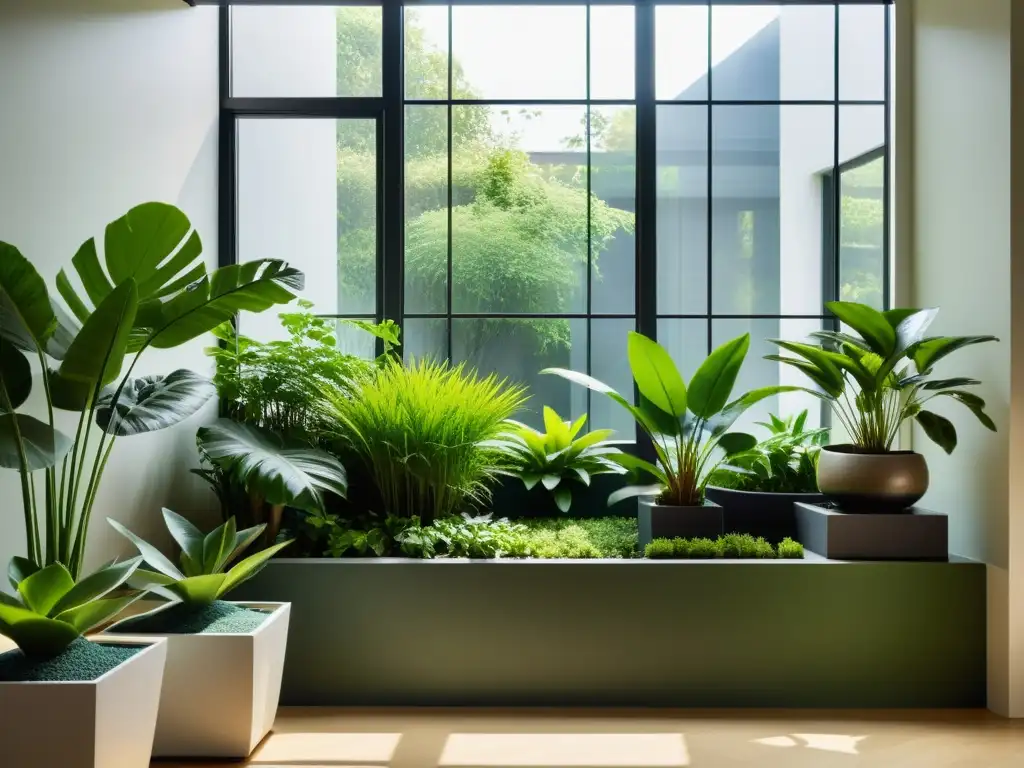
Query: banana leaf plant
point(275, 472)
point(688, 426)
point(204, 575)
point(149, 289)
point(883, 376)
point(50, 610)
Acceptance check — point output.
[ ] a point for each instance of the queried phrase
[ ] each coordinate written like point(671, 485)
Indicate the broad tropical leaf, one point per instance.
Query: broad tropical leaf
point(974, 404)
point(249, 567)
point(19, 569)
point(187, 536)
point(96, 585)
point(150, 403)
point(928, 352)
point(582, 379)
point(43, 445)
point(26, 317)
point(292, 474)
point(728, 415)
point(70, 394)
point(939, 429)
point(656, 375)
point(713, 381)
point(871, 324)
point(98, 351)
point(37, 636)
point(153, 556)
point(43, 589)
point(89, 615)
point(15, 376)
point(632, 491)
point(736, 442)
point(199, 590)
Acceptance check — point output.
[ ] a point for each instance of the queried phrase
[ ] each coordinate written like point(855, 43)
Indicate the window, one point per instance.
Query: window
point(537, 179)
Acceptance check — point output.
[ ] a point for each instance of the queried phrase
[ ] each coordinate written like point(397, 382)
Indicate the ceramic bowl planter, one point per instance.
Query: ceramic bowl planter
point(660, 521)
point(108, 722)
point(871, 482)
point(220, 691)
point(759, 513)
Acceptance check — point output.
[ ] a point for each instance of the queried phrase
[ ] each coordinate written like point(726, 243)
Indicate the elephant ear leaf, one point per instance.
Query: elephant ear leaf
point(151, 403)
point(26, 317)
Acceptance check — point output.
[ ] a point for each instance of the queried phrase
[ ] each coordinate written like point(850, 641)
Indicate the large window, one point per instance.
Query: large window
point(520, 185)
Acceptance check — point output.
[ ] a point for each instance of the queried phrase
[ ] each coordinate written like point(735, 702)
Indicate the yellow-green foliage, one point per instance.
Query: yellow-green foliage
point(791, 550)
point(612, 537)
point(660, 549)
point(740, 546)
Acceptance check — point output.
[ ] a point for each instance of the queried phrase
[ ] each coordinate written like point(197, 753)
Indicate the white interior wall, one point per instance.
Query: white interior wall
point(108, 104)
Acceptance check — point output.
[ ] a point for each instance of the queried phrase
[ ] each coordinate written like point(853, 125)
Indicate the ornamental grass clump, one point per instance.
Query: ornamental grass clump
point(427, 434)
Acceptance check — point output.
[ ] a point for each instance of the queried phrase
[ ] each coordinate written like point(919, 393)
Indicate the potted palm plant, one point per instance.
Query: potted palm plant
point(149, 290)
point(99, 697)
point(759, 486)
point(875, 381)
point(688, 428)
point(224, 659)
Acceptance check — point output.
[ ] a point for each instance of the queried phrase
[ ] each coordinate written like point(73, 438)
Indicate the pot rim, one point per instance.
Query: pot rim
point(838, 448)
point(147, 644)
point(652, 501)
point(808, 494)
point(273, 609)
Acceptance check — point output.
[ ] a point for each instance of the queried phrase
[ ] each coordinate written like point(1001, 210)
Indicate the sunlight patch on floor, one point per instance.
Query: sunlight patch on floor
point(825, 742)
point(329, 748)
point(565, 750)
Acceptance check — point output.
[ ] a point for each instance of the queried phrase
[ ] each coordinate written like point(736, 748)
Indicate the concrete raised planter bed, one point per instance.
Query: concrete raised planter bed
point(807, 633)
point(103, 723)
point(873, 534)
point(661, 521)
point(770, 515)
point(221, 691)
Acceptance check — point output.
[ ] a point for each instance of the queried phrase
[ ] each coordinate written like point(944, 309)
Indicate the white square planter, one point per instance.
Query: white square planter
point(108, 722)
point(220, 691)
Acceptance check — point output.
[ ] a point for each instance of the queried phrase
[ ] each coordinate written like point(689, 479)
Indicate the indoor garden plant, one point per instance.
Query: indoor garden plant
point(759, 486)
point(876, 381)
point(108, 688)
point(150, 289)
point(224, 659)
point(688, 429)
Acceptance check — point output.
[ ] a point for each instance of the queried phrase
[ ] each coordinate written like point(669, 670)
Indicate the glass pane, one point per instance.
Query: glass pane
point(758, 372)
point(519, 240)
point(612, 52)
point(613, 202)
point(862, 52)
point(806, 52)
point(686, 341)
point(609, 364)
point(426, 54)
point(426, 209)
point(522, 52)
point(519, 350)
point(425, 339)
point(305, 51)
point(356, 341)
point(745, 52)
point(682, 147)
point(861, 189)
point(767, 181)
point(681, 52)
point(301, 196)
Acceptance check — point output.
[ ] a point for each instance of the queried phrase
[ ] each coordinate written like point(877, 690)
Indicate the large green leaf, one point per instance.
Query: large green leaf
point(89, 615)
point(728, 415)
point(26, 317)
point(974, 404)
point(939, 429)
point(69, 394)
point(823, 378)
point(929, 351)
point(15, 375)
point(19, 569)
point(43, 589)
point(37, 636)
point(656, 374)
point(292, 474)
point(150, 403)
point(243, 539)
point(44, 446)
point(199, 590)
point(249, 567)
point(871, 324)
point(736, 442)
point(912, 328)
point(217, 546)
point(97, 584)
point(632, 491)
point(187, 536)
point(98, 351)
point(253, 287)
point(712, 384)
point(582, 379)
point(153, 556)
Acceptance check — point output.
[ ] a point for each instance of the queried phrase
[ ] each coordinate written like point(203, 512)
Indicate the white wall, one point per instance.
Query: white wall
point(106, 104)
point(966, 186)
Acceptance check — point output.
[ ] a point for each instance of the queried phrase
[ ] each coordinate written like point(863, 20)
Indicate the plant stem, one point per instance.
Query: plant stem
point(27, 495)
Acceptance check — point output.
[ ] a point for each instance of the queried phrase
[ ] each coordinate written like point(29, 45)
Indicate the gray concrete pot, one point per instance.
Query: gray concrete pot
point(659, 521)
point(871, 482)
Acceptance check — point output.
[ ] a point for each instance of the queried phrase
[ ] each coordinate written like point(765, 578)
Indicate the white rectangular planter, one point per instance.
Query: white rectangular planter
point(108, 722)
point(221, 691)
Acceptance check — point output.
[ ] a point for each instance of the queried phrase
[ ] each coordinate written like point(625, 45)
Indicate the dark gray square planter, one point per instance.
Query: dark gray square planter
point(916, 534)
point(658, 521)
point(770, 515)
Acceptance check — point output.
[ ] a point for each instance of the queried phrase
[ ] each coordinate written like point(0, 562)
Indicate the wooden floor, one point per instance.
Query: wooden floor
point(322, 738)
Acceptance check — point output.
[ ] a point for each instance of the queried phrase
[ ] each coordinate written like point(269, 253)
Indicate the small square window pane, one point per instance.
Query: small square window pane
point(682, 151)
point(681, 52)
point(862, 52)
point(807, 52)
point(609, 364)
point(426, 209)
point(522, 52)
point(426, 53)
point(612, 207)
point(353, 340)
point(424, 338)
point(306, 51)
point(769, 163)
point(612, 52)
point(686, 341)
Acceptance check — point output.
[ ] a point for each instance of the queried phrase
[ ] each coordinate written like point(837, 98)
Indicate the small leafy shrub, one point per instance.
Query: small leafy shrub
point(745, 546)
point(480, 537)
point(611, 537)
point(660, 549)
point(426, 435)
point(204, 575)
point(704, 549)
point(791, 550)
point(556, 458)
point(681, 547)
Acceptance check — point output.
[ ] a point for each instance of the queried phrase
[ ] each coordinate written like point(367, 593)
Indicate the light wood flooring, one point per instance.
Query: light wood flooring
point(333, 738)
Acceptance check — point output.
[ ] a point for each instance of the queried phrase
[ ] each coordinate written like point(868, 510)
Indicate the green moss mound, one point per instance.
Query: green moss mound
point(82, 661)
point(581, 538)
point(218, 618)
point(732, 546)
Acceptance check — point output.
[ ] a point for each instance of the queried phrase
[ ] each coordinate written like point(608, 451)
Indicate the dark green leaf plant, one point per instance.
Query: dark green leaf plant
point(883, 374)
point(687, 425)
point(204, 572)
point(148, 287)
point(50, 610)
